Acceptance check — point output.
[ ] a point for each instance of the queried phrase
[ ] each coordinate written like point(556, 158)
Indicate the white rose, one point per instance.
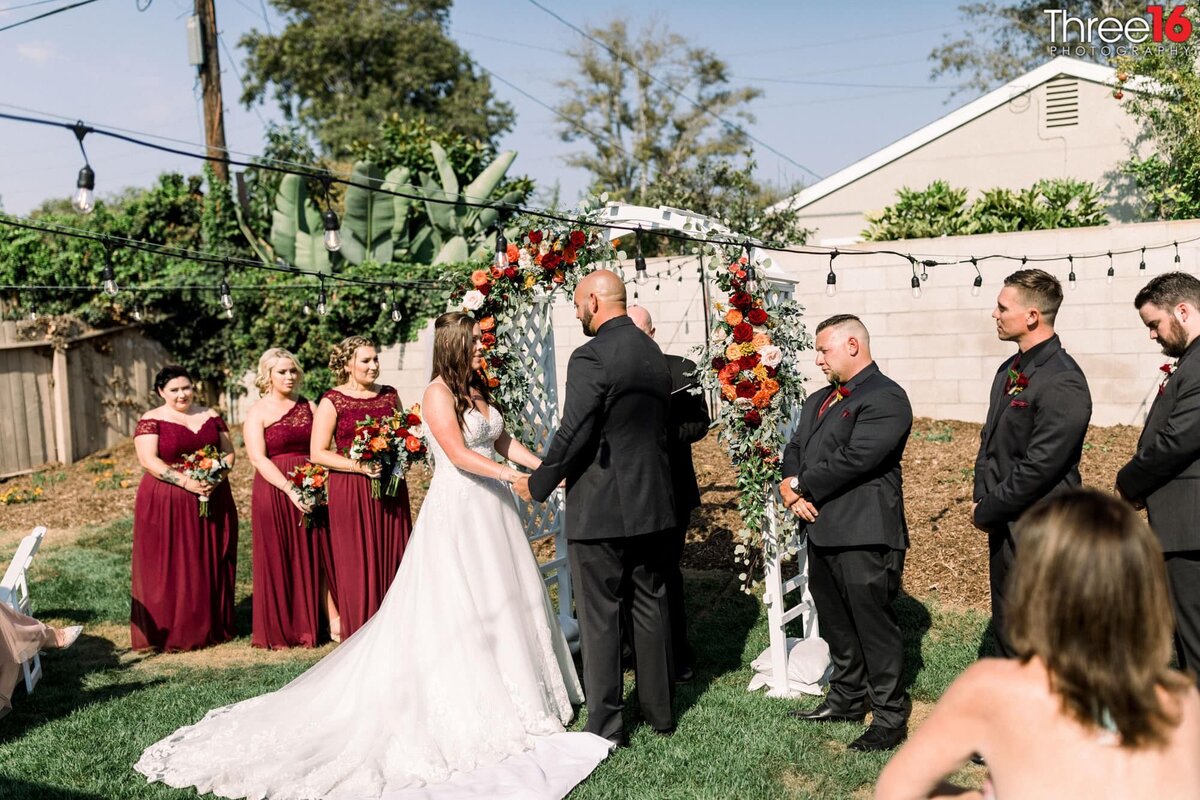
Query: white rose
point(472, 300)
point(525, 261)
point(770, 355)
point(418, 431)
point(743, 402)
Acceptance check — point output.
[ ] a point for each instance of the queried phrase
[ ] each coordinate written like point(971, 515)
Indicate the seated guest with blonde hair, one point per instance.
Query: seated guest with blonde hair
point(1090, 707)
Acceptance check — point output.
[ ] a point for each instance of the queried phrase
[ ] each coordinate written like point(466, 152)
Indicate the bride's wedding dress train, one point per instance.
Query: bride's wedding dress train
point(458, 687)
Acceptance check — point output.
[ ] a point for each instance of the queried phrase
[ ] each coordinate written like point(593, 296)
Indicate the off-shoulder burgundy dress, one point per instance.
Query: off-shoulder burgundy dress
point(366, 536)
point(183, 565)
point(287, 555)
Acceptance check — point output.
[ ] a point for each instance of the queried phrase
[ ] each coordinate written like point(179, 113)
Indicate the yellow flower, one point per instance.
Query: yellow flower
point(746, 348)
point(530, 280)
point(760, 372)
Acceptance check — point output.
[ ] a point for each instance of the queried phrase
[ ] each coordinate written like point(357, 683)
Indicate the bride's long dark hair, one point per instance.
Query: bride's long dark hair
point(453, 346)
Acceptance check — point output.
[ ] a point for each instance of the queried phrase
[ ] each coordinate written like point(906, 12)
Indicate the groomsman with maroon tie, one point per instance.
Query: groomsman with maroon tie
point(842, 478)
point(1164, 473)
point(1037, 418)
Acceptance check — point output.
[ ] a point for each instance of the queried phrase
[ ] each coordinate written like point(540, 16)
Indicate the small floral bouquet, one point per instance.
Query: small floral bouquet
point(372, 442)
point(407, 433)
point(310, 479)
point(206, 465)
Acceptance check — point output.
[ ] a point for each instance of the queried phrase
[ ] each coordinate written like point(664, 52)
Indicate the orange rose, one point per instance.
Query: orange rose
point(378, 444)
point(513, 253)
point(761, 399)
point(205, 463)
point(733, 317)
point(412, 444)
point(770, 386)
point(318, 481)
point(729, 392)
point(487, 323)
point(760, 340)
point(728, 373)
point(493, 382)
point(733, 352)
point(479, 278)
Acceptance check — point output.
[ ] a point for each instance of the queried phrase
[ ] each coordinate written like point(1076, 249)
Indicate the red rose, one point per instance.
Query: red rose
point(488, 339)
point(535, 237)
point(487, 287)
point(412, 419)
point(748, 362)
point(719, 363)
point(496, 361)
point(510, 273)
point(741, 300)
point(757, 316)
point(752, 418)
point(577, 239)
point(551, 261)
point(742, 332)
point(746, 389)
point(772, 372)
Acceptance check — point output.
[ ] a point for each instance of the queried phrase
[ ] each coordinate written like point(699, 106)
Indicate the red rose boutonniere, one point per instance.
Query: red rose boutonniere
point(1168, 370)
point(1016, 382)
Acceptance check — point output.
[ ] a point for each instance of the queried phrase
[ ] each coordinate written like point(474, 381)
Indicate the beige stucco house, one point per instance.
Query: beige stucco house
point(1059, 121)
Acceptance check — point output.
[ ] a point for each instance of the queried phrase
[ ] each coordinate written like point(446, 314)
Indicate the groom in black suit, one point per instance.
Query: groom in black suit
point(842, 478)
point(1164, 473)
point(1037, 418)
point(611, 448)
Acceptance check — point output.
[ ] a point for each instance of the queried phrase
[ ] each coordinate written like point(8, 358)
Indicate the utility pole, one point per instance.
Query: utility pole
point(210, 81)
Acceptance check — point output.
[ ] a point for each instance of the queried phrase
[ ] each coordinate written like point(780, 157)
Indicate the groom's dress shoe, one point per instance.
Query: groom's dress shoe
point(877, 739)
point(619, 741)
point(825, 713)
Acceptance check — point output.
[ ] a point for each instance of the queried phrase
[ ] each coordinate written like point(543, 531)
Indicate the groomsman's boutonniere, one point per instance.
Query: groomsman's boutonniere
point(842, 393)
point(1168, 370)
point(1016, 382)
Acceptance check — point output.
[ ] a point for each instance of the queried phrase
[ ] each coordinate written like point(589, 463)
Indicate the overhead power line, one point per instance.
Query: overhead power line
point(44, 15)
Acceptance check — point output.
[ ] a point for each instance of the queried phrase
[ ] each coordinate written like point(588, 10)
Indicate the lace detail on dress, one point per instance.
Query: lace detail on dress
point(146, 427)
point(352, 409)
point(291, 432)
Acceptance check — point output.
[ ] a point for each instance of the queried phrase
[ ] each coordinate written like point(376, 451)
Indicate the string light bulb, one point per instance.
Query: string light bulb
point(137, 313)
point(915, 283)
point(639, 263)
point(977, 284)
point(84, 199)
point(1111, 272)
point(831, 278)
point(322, 305)
point(110, 278)
point(1142, 264)
point(333, 233)
point(501, 251)
point(226, 296)
point(396, 315)
point(1176, 252)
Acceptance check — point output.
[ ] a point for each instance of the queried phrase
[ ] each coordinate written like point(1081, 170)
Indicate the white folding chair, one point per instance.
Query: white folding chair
point(14, 590)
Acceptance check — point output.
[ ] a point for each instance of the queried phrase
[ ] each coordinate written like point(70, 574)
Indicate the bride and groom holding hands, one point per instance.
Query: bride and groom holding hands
point(462, 683)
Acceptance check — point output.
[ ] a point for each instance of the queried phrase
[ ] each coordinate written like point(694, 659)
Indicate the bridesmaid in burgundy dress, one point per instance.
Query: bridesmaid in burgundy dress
point(288, 580)
point(183, 565)
point(367, 536)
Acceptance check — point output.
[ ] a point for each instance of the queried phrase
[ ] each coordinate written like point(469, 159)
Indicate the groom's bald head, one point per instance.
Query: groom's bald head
point(599, 297)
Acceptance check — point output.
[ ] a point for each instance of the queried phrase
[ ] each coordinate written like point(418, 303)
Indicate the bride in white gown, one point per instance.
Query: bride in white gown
point(460, 685)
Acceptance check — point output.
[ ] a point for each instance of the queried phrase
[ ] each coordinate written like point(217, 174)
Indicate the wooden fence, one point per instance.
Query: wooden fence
point(60, 403)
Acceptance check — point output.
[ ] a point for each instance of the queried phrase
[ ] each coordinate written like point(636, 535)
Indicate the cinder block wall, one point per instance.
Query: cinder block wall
point(941, 347)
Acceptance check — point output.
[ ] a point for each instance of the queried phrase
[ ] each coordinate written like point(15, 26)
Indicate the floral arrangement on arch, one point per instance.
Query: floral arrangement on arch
point(751, 362)
point(542, 257)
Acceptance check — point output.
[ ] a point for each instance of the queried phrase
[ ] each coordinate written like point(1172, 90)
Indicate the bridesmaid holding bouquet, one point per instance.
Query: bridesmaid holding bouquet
point(289, 586)
point(367, 533)
point(184, 552)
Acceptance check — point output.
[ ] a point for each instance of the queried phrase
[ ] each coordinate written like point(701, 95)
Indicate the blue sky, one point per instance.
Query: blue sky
point(113, 66)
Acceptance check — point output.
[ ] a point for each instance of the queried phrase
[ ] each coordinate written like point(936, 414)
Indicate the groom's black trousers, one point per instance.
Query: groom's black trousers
point(604, 570)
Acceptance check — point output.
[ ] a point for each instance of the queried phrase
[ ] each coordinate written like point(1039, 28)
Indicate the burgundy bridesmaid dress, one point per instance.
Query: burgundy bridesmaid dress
point(366, 536)
point(287, 555)
point(183, 565)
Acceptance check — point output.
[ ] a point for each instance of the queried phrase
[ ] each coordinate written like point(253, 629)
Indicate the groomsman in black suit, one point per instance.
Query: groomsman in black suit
point(687, 423)
point(1164, 474)
point(611, 448)
point(842, 478)
point(1037, 418)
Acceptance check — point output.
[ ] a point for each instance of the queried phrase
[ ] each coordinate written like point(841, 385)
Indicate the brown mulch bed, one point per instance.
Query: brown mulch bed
point(948, 559)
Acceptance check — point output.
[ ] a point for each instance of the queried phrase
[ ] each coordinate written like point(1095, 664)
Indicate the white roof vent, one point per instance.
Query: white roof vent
point(1061, 108)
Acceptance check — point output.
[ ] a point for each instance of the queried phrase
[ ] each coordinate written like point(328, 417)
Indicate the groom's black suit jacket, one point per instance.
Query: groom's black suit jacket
point(847, 461)
point(611, 445)
point(1165, 472)
point(1030, 445)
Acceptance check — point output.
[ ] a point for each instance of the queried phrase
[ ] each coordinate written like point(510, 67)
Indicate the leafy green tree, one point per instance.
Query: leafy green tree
point(998, 42)
point(640, 130)
point(340, 68)
point(1168, 178)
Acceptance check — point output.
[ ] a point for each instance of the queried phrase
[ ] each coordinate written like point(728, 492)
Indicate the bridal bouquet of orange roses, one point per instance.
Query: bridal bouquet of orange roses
point(311, 481)
point(207, 466)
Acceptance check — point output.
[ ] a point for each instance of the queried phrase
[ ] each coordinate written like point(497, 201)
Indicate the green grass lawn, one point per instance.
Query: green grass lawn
point(99, 705)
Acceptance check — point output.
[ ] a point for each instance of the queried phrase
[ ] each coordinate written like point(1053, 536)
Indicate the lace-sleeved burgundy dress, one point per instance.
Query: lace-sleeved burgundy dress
point(183, 565)
point(366, 536)
point(287, 563)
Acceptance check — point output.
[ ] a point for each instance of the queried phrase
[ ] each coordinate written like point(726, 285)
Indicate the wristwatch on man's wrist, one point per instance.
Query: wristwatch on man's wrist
point(794, 484)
